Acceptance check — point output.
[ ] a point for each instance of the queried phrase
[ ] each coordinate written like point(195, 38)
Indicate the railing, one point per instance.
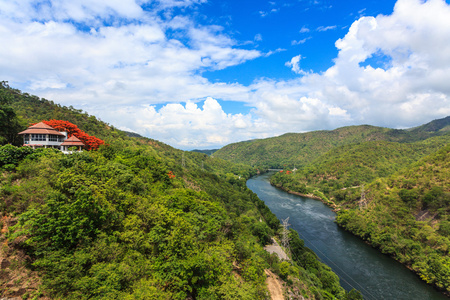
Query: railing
point(71, 152)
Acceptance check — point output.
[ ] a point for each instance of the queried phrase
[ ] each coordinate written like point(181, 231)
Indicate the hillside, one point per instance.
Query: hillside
point(396, 196)
point(299, 149)
point(356, 164)
point(390, 187)
point(406, 215)
point(137, 219)
point(440, 125)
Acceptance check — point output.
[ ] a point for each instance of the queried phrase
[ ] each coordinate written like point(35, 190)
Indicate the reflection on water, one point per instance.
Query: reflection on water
point(358, 265)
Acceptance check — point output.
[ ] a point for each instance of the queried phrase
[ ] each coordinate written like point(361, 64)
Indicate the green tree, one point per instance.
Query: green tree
point(9, 123)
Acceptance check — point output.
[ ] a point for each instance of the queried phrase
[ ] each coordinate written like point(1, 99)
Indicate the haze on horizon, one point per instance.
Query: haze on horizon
point(203, 74)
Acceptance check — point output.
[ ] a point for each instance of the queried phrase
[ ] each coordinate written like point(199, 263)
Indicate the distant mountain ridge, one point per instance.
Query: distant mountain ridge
point(207, 151)
point(439, 125)
point(299, 149)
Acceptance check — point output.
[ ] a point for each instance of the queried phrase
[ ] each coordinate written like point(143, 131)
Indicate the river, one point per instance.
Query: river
point(375, 275)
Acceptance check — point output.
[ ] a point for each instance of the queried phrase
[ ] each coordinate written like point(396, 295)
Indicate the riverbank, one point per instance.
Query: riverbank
point(336, 208)
point(327, 202)
point(358, 264)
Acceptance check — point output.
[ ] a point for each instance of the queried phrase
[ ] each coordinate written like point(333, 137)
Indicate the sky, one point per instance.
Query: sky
point(201, 74)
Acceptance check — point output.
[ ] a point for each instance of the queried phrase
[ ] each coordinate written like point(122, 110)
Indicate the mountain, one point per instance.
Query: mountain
point(356, 164)
point(390, 187)
point(439, 125)
point(137, 219)
point(299, 149)
point(393, 193)
point(208, 152)
point(132, 134)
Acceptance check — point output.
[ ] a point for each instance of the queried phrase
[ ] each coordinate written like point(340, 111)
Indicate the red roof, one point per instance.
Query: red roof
point(72, 141)
point(41, 128)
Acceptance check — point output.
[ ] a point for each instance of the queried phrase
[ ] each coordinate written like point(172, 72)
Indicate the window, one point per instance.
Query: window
point(53, 138)
point(38, 137)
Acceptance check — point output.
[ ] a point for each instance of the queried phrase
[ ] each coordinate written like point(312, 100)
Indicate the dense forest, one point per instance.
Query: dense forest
point(407, 215)
point(390, 187)
point(297, 150)
point(136, 219)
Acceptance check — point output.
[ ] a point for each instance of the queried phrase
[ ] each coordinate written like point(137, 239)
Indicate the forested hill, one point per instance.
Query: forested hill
point(407, 215)
point(394, 195)
point(299, 149)
point(440, 125)
point(136, 219)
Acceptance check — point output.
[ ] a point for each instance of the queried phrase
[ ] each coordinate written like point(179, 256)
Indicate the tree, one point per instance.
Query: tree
point(91, 142)
point(9, 123)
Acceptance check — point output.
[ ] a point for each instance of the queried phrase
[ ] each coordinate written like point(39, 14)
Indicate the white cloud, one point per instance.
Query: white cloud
point(294, 64)
point(326, 28)
point(299, 42)
point(188, 126)
point(118, 61)
point(304, 29)
point(410, 87)
point(147, 65)
point(263, 13)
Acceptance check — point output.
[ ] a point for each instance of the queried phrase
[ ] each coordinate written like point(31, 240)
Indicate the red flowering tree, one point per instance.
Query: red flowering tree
point(91, 142)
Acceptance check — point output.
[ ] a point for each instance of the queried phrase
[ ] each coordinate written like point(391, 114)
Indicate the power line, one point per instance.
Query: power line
point(329, 259)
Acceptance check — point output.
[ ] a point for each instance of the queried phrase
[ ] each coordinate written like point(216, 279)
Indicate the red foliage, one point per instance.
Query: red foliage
point(288, 172)
point(91, 142)
point(171, 175)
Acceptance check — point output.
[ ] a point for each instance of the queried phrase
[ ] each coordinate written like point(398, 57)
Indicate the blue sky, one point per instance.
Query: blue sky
point(309, 28)
point(203, 74)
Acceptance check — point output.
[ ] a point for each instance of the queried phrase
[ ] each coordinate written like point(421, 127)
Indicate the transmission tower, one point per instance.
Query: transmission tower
point(363, 202)
point(183, 162)
point(285, 238)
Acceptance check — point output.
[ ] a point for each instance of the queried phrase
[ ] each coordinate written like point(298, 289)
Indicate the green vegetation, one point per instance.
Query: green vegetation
point(390, 187)
point(9, 123)
point(209, 152)
point(28, 109)
point(300, 149)
point(394, 195)
point(355, 165)
point(406, 215)
point(138, 219)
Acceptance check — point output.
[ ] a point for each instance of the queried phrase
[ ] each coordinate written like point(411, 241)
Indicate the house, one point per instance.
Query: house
point(73, 141)
point(42, 135)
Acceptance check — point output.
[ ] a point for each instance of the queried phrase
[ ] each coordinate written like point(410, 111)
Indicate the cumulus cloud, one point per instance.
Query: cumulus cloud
point(409, 89)
point(188, 125)
point(133, 62)
point(120, 61)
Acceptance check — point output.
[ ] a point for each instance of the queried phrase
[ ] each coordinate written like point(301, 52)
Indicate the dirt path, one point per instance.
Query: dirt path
point(275, 248)
point(274, 286)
